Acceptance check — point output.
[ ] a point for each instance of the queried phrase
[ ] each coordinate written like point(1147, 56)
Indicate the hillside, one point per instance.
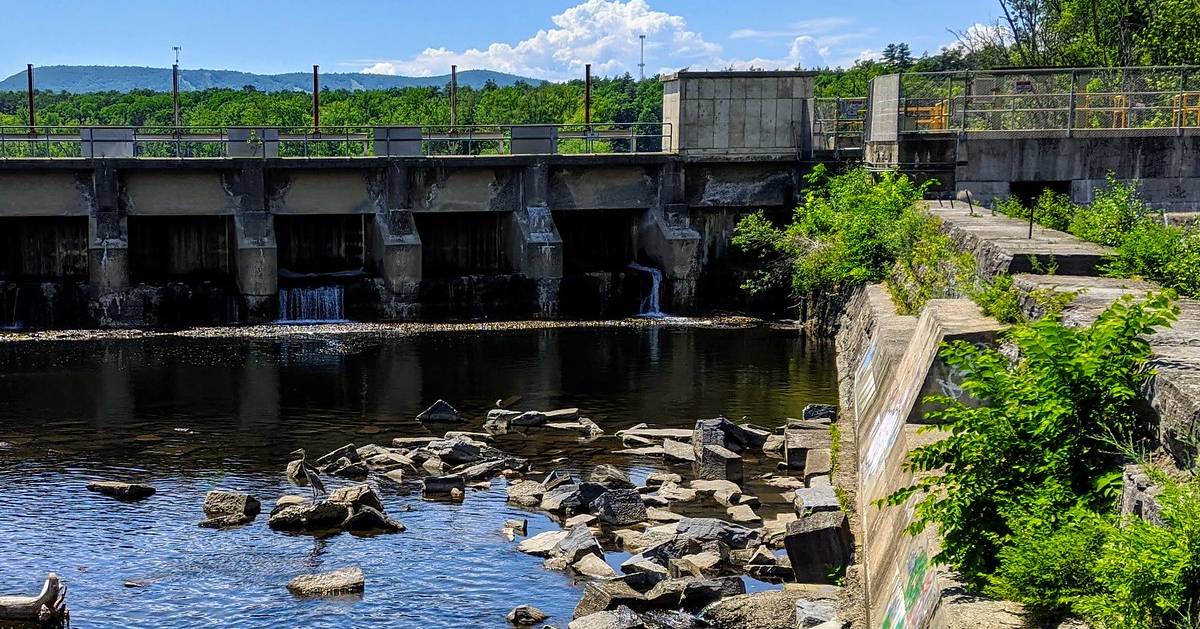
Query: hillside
point(86, 79)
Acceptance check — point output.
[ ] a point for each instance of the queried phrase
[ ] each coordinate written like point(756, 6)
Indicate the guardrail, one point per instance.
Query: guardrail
point(342, 141)
point(1048, 100)
point(838, 123)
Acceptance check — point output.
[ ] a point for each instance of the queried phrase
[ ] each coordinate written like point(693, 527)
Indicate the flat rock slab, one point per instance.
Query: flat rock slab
point(619, 618)
point(120, 490)
point(542, 544)
point(343, 581)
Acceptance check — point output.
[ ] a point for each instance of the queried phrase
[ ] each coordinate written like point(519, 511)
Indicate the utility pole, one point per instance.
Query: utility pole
point(453, 98)
point(175, 87)
point(32, 110)
point(316, 100)
point(642, 62)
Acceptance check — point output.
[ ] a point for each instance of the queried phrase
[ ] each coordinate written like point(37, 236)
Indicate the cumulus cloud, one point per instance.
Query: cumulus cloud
point(601, 32)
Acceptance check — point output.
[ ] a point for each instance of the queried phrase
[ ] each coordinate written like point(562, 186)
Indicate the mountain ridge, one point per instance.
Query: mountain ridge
point(87, 79)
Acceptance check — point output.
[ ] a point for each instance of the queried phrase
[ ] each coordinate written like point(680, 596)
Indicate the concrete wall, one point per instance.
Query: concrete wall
point(739, 113)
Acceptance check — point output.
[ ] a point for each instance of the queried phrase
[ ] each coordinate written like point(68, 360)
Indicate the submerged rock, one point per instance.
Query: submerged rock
point(619, 618)
point(606, 594)
point(120, 490)
point(526, 493)
point(219, 502)
point(226, 521)
point(310, 516)
point(371, 520)
point(526, 615)
point(437, 485)
point(343, 581)
point(440, 412)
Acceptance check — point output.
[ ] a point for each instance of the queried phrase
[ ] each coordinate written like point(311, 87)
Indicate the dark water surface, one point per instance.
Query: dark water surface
point(193, 414)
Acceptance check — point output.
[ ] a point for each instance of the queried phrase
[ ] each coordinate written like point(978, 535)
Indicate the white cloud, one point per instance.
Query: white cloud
point(979, 34)
point(601, 32)
point(803, 27)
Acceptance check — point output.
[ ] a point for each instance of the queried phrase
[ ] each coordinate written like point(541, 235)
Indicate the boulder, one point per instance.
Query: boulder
point(578, 542)
point(310, 516)
point(407, 443)
point(518, 526)
point(773, 444)
point(719, 431)
point(343, 581)
point(743, 514)
point(357, 497)
point(678, 452)
point(620, 618)
point(571, 499)
point(817, 544)
point(226, 521)
point(454, 451)
point(219, 502)
point(529, 418)
point(655, 514)
point(287, 501)
point(525, 615)
point(756, 436)
point(770, 609)
point(711, 487)
point(705, 529)
point(694, 593)
point(542, 544)
point(556, 478)
point(388, 461)
point(798, 441)
point(120, 490)
point(347, 468)
point(593, 567)
point(562, 415)
point(819, 412)
point(526, 493)
point(586, 519)
point(818, 462)
point(671, 492)
point(487, 469)
point(347, 451)
point(437, 485)
point(610, 477)
point(619, 507)
point(655, 434)
point(814, 499)
point(606, 594)
point(658, 478)
point(644, 571)
point(810, 613)
point(440, 412)
point(727, 497)
point(719, 463)
point(701, 564)
point(371, 520)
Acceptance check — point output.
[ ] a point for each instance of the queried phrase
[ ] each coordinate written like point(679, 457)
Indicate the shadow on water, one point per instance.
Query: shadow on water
point(193, 414)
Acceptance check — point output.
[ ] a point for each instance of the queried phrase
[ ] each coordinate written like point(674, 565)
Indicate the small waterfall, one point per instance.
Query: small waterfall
point(651, 305)
point(314, 304)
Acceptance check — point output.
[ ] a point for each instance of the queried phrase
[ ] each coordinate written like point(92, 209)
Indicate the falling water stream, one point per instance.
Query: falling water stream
point(651, 305)
point(315, 304)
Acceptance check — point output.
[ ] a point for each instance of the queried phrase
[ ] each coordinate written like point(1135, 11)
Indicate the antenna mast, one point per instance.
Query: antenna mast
point(642, 63)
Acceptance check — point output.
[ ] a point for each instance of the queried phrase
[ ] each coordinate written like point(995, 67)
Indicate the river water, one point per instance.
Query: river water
point(193, 414)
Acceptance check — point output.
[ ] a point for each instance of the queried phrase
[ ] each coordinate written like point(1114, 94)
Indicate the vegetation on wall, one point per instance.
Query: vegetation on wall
point(1145, 246)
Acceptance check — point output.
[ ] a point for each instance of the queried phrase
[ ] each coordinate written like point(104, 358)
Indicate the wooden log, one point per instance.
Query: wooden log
point(47, 606)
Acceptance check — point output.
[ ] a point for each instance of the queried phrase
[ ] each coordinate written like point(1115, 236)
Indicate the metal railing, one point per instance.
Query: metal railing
point(49, 141)
point(1065, 100)
point(838, 123)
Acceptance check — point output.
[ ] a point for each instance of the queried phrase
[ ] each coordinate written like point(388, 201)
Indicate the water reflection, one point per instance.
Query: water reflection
point(192, 414)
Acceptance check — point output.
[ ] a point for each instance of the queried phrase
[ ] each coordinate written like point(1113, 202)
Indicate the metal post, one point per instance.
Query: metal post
point(316, 100)
point(587, 106)
point(453, 97)
point(837, 114)
point(175, 94)
point(1182, 92)
point(32, 109)
point(1071, 104)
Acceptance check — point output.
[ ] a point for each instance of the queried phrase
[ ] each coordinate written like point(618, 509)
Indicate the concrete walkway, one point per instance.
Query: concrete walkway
point(1000, 243)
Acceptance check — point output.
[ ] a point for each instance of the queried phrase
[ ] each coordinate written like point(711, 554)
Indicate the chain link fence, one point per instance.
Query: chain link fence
point(838, 123)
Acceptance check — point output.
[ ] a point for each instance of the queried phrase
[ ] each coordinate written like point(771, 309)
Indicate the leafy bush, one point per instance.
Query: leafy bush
point(1051, 209)
point(850, 229)
point(1000, 299)
point(1117, 209)
point(1166, 254)
point(1034, 447)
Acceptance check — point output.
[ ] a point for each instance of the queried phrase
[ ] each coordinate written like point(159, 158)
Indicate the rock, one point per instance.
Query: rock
point(343, 581)
point(525, 615)
point(556, 478)
point(633, 441)
point(433, 466)
point(818, 544)
point(526, 493)
point(619, 507)
point(786, 482)
point(820, 480)
point(542, 544)
point(727, 497)
point(357, 497)
point(817, 412)
point(719, 463)
point(487, 469)
point(570, 499)
point(719, 431)
point(818, 462)
point(295, 472)
point(644, 571)
point(440, 412)
point(658, 478)
point(388, 461)
point(813, 499)
point(773, 444)
point(798, 441)
point(694, 593)
point(743, 514)
point(606, 594)
point(413, 442)
point(369, 519)
point(646, 451)
point(219, 502)
point(673, 493)
point(655, 514)
point(310, 516)
point(775, 530)
point(120, 490)
point(756, 436)
point(645, 432)
point(520, 526)
point(529, 418)
point(702, 564)
point(562, 415)
point(593, 567)
point(620, 618)
point(226, 521)
point(436, 485)
point(396, 476)
point(610, 477)
point(457, 494)
point(815, 613)
point(578, 542)
point(711, 487)
point(347, 451)
point(455, 451)
point(287, 501)
point(678, 452)
point(593, 429)
point(347, 468)
point(770, 609)
point(585, 519)
point(705, 529)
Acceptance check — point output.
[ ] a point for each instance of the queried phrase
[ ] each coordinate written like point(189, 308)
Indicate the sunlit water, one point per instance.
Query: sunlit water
point(190, 414)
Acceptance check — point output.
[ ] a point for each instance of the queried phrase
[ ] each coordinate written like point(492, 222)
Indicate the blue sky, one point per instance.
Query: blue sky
point(539, 38)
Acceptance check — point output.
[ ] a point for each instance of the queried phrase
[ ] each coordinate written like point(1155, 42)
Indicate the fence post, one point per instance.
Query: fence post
point(1071, 106)
point(1182, 92)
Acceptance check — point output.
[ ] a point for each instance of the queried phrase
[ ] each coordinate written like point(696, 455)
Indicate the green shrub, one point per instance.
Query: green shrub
point(1051, 209)
point(1000, 299)
point(1117, 209)
point(1166, 254)
point(1034, 446)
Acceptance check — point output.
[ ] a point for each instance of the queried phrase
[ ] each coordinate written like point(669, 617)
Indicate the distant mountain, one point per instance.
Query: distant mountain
point(82, 79)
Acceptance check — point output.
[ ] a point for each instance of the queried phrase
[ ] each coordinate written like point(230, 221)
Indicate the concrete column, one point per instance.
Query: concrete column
point(257, 264)
point(394, 245)
point(667, 239)
point(108, 250)
point(534, 245)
